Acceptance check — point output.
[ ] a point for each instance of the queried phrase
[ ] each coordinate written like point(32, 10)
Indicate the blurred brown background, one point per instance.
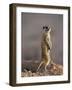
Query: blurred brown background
point(31, 36)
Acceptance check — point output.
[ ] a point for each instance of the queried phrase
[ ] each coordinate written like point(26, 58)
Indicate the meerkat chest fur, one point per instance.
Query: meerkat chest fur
point(45, 45)
point(48, 36)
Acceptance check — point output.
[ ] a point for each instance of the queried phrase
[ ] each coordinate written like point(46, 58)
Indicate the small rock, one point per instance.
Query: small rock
point(41, 74)
point(25, 70)
point(29, 73)
point(33, 74)
point(26, 75)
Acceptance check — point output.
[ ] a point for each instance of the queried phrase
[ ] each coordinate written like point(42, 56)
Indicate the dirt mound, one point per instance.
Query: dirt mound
point(53, 69)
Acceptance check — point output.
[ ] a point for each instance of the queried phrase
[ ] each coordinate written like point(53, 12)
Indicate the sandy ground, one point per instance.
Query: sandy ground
point(29, 69)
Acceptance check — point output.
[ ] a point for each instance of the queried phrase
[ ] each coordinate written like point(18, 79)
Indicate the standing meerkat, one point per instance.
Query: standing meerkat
point(46, 46)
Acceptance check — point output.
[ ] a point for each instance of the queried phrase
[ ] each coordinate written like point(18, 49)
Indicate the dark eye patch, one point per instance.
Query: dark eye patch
point(45, 27)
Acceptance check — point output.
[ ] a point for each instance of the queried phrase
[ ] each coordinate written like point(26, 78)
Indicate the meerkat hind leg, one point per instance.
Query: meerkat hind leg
point(45, 67)
point(40, 65)
point(47, 64)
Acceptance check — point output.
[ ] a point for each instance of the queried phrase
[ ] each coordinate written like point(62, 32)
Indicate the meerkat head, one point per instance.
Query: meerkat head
point(47, 29)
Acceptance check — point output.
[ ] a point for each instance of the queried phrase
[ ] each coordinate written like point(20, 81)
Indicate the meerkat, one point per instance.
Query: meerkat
point(46, 46)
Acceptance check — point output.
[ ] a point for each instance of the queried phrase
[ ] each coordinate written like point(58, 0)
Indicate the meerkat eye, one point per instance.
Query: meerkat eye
point(46, 27)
